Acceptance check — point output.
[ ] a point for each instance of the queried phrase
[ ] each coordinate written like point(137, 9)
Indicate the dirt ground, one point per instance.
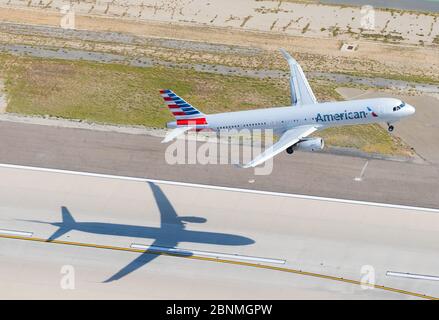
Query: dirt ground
point(373, 57)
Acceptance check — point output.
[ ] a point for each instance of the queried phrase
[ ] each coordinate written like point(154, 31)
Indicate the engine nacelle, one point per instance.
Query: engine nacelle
point(310, 144)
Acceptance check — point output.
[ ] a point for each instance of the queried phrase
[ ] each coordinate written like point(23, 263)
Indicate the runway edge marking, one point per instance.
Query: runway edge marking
point(212, 187)
point(218, 255)
point(225, 261)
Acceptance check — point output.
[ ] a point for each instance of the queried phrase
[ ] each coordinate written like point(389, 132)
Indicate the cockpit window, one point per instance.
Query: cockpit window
point(402, 105)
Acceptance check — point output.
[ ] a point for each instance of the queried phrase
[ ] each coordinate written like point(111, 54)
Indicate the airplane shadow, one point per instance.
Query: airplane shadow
point(171, 232)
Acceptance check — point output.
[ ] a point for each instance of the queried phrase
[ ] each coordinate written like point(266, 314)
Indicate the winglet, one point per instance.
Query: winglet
point(301, 92)
point(287, 56)
point(295, 98)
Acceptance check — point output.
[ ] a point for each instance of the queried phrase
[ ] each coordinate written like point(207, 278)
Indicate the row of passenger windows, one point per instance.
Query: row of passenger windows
point(256, 124)
point(296, 120)
point(245, 125)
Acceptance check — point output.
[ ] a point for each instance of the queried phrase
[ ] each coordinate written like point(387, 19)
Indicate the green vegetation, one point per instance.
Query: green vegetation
point(335, 31)
point(306, 28)
point(385, 37)
point(112, 93)
point(422, 79)
point(368, 138)
point(119, 94)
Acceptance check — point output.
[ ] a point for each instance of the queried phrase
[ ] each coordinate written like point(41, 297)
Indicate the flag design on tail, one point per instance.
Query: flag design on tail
point(184, 112)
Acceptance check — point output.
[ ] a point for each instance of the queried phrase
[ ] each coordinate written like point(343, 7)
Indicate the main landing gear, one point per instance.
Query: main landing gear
point(290, 150)
point(390, 127)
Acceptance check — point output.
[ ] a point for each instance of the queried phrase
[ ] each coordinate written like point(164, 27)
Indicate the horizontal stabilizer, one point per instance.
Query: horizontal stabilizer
point(175, 133)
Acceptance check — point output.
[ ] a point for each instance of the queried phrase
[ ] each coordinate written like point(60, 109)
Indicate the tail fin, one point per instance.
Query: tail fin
point(67, 217)
point(183, 111)
point(65, 226)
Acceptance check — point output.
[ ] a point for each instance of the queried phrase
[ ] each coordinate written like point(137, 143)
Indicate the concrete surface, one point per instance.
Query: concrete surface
point(325, 237)
point(144, 156)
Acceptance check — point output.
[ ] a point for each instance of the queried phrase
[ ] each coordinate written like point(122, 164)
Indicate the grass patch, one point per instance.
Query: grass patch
point(119, 94)
point(370, 138)
point(112, 93)
point(421, 79)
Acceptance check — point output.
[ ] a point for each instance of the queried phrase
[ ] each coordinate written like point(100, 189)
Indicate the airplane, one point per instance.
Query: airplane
point(292, 123)
point(171, 232)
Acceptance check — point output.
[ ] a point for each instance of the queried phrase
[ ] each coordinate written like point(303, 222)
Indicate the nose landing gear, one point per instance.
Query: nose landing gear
point(290, 150)
point(390, 127)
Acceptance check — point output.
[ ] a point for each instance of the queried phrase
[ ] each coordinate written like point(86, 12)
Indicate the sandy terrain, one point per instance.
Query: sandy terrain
point(372, 57)
point(70, 48)
point(285, 17)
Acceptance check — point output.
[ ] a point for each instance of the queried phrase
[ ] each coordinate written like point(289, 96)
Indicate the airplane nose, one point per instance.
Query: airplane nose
point(411, 110)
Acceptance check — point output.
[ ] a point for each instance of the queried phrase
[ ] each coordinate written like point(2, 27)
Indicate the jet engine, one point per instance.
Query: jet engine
point(310, 144)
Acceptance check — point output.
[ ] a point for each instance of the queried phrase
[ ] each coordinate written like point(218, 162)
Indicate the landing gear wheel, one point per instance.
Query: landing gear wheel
point(290, 150)
point(390, 128)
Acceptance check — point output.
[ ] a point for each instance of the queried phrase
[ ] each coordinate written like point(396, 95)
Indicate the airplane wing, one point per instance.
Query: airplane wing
point(289, 138)
point(170, 224)
point(301, 92)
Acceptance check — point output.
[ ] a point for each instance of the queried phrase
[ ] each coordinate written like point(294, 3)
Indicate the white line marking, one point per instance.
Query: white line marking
point(195, 185)
point(16, 233)
point(187, 252)
point(360, 178)
point(411, 275)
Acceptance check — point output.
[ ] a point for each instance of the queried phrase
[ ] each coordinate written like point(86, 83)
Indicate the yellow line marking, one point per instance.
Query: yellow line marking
point(248, 264)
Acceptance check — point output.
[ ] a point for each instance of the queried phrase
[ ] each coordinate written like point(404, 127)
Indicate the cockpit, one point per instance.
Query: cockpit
point(402, 105)
point(399, 109)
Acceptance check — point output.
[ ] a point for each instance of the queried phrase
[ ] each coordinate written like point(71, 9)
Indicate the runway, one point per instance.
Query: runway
point(212, 231)
point(303, 247)
point(316, 174)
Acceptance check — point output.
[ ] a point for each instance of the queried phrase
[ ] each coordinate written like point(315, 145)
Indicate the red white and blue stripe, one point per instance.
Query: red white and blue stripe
point(374, 114)
point(184, 112)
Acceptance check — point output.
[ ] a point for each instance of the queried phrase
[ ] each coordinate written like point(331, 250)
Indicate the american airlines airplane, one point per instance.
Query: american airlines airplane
point(293, 123)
